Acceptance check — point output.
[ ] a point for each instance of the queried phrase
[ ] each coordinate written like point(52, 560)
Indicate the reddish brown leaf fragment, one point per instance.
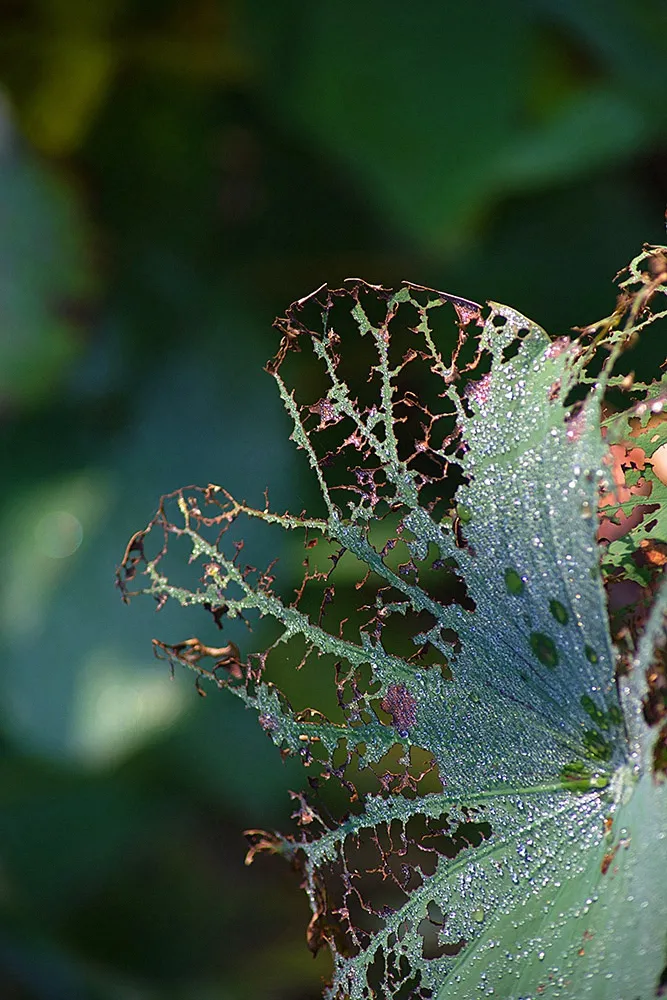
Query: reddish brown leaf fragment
point(479, 391)
point(557, 346)
point(653, 553)
point(326, 411)
point(607, 860)
point(402, 706)
point(191, 651)
point(467, 312)
point(262, 842)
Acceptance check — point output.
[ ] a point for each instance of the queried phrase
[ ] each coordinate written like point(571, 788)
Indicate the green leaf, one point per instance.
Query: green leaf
point(48, 279)
point(506, 830)
point(402, 98)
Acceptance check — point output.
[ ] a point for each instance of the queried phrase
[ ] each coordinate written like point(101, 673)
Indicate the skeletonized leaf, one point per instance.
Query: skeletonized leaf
point(508, 808)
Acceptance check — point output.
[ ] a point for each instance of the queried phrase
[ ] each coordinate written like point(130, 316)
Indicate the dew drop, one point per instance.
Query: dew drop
point(478, 915)
point(591, 655)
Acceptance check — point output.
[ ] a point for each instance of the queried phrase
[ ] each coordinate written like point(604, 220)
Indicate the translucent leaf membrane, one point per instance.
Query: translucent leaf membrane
point(506, 832)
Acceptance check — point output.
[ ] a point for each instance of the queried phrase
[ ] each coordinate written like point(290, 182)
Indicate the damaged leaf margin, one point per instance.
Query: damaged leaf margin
point(517, 820)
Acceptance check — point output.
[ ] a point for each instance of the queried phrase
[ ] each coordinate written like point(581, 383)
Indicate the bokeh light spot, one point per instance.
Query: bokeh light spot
point(58, 534)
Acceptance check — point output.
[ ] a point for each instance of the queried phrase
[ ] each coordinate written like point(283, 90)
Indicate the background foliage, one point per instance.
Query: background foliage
point(172, 174)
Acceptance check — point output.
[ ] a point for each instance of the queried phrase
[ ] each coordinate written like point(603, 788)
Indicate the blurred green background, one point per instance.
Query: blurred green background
point(172, 175)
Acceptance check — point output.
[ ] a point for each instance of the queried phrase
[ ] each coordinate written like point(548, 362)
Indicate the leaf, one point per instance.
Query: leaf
point(635, 521)
point(49, 281)
point(484, 129)
point(506, 828)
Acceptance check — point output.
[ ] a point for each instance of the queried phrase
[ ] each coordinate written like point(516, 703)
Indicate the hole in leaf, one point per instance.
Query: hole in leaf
point(660, 752)
point(513, 582)
point(661, 991)
point(559, 612)
point(514, 346)
point(544, 648)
